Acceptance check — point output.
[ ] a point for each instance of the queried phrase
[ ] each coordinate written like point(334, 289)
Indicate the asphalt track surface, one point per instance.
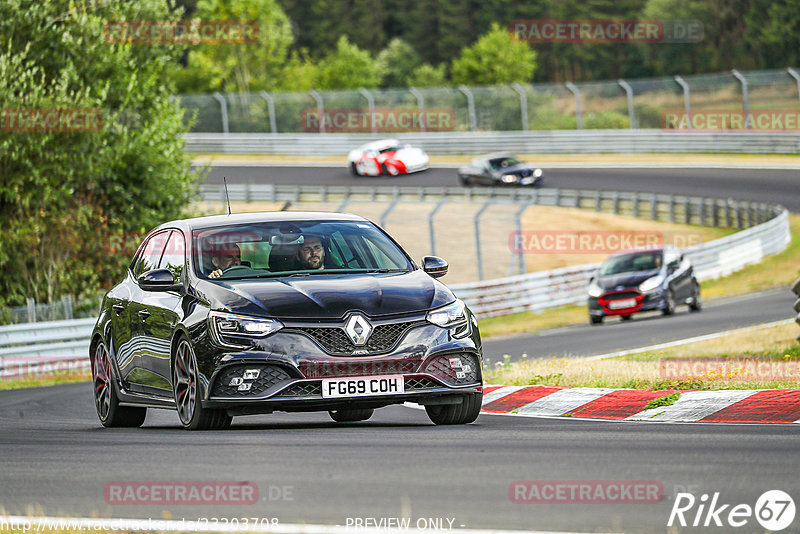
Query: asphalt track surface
point(646, 329)
point(779, 186)
point(57, 460)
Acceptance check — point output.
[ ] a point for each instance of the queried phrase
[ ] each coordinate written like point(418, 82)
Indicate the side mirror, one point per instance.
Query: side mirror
point(158, 280)
point(435, 266)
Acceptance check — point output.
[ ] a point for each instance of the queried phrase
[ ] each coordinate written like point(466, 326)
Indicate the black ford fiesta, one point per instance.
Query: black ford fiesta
point(288, 311)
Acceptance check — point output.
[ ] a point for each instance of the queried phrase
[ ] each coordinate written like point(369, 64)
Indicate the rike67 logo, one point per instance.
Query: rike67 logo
point(774, 510)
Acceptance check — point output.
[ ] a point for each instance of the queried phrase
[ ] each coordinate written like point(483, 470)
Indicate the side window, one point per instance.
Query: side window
point(150, 254)
point(174, 256)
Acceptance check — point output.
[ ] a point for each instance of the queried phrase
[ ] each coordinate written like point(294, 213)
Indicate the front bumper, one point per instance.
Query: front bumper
point(602, 306)
point(285, 371)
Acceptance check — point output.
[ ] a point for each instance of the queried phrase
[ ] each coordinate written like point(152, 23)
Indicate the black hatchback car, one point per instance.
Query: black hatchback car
point(500, 170)
point(634, 281)
point(248, 314)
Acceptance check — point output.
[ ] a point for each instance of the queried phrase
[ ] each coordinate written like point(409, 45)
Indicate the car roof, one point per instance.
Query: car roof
point(653, 248)
point(375, 145)
point(496, 155)
point(259, 217)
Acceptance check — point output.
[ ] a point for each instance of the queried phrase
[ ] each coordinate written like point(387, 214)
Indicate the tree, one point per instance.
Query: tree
point(241, 67)
point(74, 203)
point(496, 58)
point(348, 67)
point(398, 61)
point(428, 76)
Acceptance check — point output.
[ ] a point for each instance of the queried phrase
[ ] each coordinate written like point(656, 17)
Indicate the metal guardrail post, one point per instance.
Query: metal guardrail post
point(577, 94)
point(672, 208)
point(523, 104)
point(470, 107)
point(476, 222)
point(687, 104)
point(521, 253)
point(631, 112)
point(31, 310)
point(223, 109)
point(320, 109)
point(273, 125)
point(653, 208)
point(395, 201)
point(745, 97)
point(796, 75)
point(431, 229)
point(635, 205)
point(371, 103)
point(420, 105)
point(598, 201)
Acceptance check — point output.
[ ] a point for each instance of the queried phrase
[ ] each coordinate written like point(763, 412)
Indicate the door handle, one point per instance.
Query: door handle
point(118, 308)
point(144, 314)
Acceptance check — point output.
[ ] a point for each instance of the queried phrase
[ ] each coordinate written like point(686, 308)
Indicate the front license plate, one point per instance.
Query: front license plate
point(622, 303)
point(367, 386)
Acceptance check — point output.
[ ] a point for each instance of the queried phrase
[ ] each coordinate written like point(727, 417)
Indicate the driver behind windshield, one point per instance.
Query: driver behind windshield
point(311, 254)
point(224, 257)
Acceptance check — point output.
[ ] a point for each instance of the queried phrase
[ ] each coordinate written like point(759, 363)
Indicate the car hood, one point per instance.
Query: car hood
point(408, 155)
point(328, 296)
point(522, 168)
point(625, 279)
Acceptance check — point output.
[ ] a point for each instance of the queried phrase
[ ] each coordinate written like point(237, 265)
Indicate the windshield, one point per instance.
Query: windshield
point(299, 248)
point(631, 263)
point(502, 163)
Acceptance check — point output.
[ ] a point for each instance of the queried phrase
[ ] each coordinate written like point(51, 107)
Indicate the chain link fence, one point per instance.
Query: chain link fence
point(640, 103)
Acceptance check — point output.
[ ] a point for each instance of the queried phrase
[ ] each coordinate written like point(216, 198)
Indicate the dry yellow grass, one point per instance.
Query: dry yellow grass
point(645, 370)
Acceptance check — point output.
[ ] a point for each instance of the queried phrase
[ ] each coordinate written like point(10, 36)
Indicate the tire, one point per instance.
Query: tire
point(110, 413)
point(669, 303)
point(697, 300)
point(463, 181)
point(185, 384)
point(626, 317)
point(596, 319)
point(456, 414)
point(349, 416)
point(354, 169)
point(384, 170)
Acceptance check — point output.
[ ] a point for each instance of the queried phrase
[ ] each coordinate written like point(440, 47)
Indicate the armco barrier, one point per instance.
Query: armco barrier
point(32, 348)
point(567, 285)
point(534, 142)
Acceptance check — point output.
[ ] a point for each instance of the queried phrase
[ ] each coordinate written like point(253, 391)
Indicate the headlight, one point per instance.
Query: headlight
point(650, 284)
point(509, 178)
point(449, 316)
point(594, 289)
point(537, 173)
point(229, 328)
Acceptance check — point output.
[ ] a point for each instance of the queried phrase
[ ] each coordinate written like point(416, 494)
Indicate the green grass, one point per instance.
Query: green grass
point(666, 400)
point(47, 380)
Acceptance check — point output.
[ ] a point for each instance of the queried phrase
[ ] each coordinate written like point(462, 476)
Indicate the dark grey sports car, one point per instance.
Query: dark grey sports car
point(289, 311)
point(499, 170)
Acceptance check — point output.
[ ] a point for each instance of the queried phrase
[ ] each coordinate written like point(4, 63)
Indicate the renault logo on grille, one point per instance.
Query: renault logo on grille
point(358, 329)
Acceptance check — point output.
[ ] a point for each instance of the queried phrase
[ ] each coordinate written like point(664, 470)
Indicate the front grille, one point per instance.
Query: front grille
point(335, 341)
point(268, 377)
point(421, 384)
point(621, 295)
point(457, 369)
point(359, 368)
point(302, 389)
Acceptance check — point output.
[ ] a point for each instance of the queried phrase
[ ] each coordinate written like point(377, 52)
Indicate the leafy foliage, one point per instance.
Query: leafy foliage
point(348, 67)
point(74, 203)
point(494, 59)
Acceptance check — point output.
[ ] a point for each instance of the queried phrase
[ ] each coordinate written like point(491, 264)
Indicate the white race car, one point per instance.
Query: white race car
point(386, 156)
